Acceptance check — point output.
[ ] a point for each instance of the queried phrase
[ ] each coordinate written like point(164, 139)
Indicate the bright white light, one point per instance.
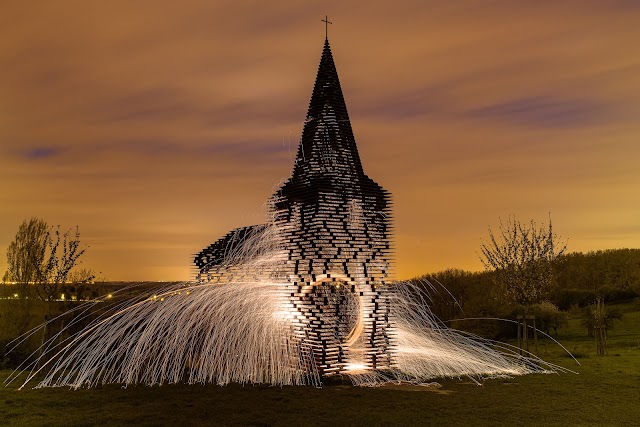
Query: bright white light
point(248, 331)
point(352, 367)
point(283, 315)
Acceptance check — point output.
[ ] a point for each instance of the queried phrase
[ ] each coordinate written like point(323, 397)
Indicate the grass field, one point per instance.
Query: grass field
point(606, 391)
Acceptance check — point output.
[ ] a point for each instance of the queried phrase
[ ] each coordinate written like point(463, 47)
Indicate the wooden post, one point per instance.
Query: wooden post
point(535, 334)
point(600, 327)
point(519, 324)
point(525, 332)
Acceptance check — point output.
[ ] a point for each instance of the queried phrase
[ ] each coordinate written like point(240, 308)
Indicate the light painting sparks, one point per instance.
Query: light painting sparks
point(246, 332)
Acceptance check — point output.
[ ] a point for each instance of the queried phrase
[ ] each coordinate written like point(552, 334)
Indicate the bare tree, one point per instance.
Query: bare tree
point(42, 256)
point(523, 257)
point(62, 254)
point(81, 276)
point(26, 251)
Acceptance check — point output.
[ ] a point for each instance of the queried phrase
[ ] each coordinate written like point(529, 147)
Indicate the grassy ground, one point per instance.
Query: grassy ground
point(604, 392)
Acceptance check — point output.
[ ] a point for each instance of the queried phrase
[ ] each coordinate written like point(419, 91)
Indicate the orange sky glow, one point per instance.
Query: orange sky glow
point(158, 127)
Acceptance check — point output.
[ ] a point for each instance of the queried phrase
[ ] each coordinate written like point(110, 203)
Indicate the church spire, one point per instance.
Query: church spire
point(327, 142)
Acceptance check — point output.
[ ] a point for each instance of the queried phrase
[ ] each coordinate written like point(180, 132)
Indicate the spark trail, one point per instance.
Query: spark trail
point(249, 332)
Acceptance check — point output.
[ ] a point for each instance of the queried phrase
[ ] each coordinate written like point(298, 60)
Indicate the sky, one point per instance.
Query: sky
point(157, 127)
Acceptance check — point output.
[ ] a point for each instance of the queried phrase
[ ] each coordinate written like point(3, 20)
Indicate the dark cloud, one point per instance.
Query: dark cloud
point(248, 151)
point(41, 153)
point(543, 111)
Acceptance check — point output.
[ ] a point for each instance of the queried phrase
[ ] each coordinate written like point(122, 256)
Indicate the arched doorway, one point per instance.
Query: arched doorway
point(335, 320)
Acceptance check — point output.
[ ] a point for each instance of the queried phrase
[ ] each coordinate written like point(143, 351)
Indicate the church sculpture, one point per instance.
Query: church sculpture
point(332, 228)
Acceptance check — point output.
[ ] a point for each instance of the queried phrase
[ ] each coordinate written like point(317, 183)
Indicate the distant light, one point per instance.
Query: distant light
point(62, 297)
point(15, 295)
point(109, 296)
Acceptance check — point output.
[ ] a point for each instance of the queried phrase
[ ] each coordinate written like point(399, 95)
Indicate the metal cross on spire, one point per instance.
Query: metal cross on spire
point(326, 26)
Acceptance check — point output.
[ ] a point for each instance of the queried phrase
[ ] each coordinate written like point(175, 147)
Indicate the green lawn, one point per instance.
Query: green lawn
point(605, 392)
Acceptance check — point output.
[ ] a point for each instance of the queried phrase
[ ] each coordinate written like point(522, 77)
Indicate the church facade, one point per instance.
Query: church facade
point(327, 240)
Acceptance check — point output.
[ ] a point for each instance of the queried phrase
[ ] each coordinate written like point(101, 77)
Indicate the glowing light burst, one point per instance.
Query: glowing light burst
point(249, 332)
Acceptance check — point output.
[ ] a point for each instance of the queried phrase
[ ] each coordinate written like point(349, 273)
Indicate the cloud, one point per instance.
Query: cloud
point(150, 104)
point(41, 153)
point(408, 104)
point(246, 151)
point(543, 112)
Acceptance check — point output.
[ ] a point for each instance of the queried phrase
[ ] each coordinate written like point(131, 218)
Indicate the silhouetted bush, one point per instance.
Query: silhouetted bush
point(612, 294)
point(11, 359)
point(565, 298)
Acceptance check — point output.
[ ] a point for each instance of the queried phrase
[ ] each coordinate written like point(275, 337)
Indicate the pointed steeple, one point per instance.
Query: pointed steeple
point(326, 90)
point(327, 142)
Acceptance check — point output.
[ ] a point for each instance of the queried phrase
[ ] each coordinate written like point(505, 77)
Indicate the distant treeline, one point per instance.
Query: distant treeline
point(611, 274)
point(580, 278)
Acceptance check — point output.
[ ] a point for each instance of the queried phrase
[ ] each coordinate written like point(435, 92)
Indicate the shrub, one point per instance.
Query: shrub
point(13, 359)
point(548, 317)
point(611, 314)
point(565, 298)
point(612, 294)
